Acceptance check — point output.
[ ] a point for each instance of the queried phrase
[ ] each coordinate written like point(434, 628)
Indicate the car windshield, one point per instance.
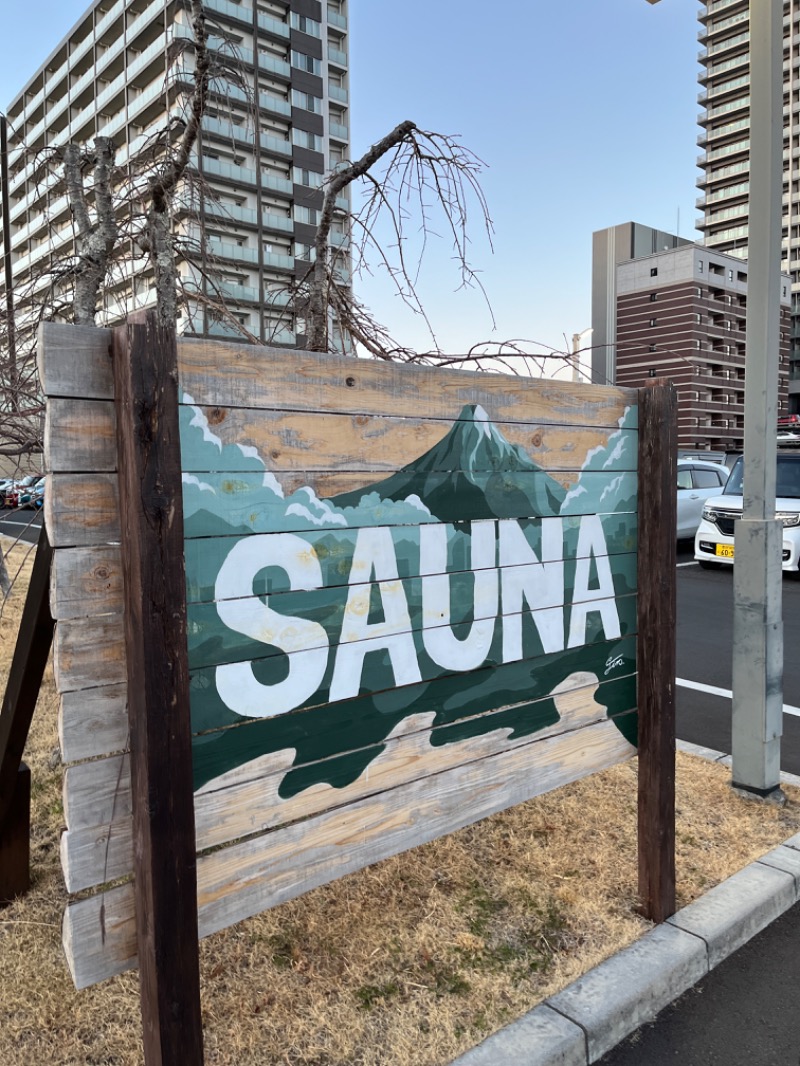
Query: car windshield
point(788, 478)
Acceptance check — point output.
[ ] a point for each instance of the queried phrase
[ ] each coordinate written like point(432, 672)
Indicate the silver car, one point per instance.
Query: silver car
point(698, 481)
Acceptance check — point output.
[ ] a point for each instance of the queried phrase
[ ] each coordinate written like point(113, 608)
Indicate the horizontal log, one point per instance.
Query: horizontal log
point(86, 582)
point(88, 653)
point(242, 880)
point(80, 436)
point(247, 801)
point(93, 722)
point(82, 510)
point(291, 440)
point(75, 361)
point(219, 373)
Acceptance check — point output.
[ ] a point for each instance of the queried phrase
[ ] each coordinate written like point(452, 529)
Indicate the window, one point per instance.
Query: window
point(305, 139)
point(699, 266)
point(309, 178)
point(653, 272)
point(307, 101)
point(684, 477)
point(653, 321)
point(707, 479)
point(308, 63)
point(652, 348)
point(730, 275)
point(307, 215)
point(653, 297)
point(305, 24)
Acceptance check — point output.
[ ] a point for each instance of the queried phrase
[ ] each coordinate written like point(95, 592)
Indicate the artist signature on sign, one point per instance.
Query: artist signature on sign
point(612, 662)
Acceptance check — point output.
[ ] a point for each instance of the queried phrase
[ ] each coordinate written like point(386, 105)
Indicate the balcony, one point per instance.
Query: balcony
point(239, 12)
point(228, 170)
point(338, 131)
point(273, 26)
point(273, 104)
point(284, 185)
point(276, 144)
point(336, 18)
point(278, 222)
point(235, 252)
point(337, 57)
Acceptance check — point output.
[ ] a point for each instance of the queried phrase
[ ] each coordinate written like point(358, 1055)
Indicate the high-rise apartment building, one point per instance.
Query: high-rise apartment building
point(665, 307)
point(725, 140)
point(120, 73)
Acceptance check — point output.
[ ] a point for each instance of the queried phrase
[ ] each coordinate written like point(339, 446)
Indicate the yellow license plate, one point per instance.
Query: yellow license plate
point(725, 550)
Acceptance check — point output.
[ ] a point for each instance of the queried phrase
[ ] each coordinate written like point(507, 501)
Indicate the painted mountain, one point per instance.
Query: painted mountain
point(472, 474)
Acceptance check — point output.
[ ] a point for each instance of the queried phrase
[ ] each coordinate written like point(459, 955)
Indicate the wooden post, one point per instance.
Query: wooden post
point(656, 648)
point(15, 841)
point(19, 701)
point(151, 513)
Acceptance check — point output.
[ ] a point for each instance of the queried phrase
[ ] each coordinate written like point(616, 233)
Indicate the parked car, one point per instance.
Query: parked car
point(28, 495)
point(698, 480)
point(20, 490)
point(713, 542)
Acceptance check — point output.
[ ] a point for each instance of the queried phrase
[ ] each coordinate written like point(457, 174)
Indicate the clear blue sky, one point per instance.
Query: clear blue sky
point(584, 113)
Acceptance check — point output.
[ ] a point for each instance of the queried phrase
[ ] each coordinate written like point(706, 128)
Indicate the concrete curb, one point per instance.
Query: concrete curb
point(579, 1025)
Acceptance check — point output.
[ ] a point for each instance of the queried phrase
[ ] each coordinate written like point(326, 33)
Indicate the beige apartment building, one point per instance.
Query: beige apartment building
point(120, 73)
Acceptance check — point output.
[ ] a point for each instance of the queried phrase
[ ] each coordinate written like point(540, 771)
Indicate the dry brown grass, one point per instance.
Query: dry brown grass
point(408, 962)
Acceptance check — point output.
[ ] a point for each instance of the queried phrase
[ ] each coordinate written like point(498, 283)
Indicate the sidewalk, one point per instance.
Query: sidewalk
point(594, 1014)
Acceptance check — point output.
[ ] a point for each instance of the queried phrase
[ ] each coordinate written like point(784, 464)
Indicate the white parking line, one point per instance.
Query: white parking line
point(692, 563)
point(712, 690)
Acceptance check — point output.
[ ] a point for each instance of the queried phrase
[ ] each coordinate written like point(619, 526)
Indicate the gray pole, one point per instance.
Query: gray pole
point(757, 616)
point(10, 330)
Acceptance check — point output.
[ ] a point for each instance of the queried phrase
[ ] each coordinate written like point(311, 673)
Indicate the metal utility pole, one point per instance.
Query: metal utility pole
point(757, 574)
point(12, 343)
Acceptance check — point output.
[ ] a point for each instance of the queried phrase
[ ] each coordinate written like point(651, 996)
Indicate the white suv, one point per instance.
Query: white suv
point(713, 542)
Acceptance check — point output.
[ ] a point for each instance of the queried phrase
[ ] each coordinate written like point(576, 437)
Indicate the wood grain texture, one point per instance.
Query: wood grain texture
point(242, 880)
point(656, 651)
point(151, 519)
point(75, 361)
point(93, 722)
point(89, 652)
point(82, 509)
point(292, 440)
point(79, 436)
point(86, 582)
point(98, 845)
point(232, 375)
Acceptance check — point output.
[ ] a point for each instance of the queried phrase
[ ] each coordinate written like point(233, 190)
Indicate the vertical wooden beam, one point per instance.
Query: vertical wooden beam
point(15, 841)
point(19, 701)
point(656, 648)
point(151, 513)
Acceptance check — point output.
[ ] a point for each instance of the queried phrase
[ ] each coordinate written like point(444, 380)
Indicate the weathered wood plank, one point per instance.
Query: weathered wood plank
point(82, 510)
point(291, 440)
point(79, 436)
point(247, 801)
point(86, 582)
point(232, 375)
point(93, 722)
point(242, 880)
point(151, 519)
point(75, 361)
point(89, 580)
point(25, 678)
point(656, 652)
point(89, 652)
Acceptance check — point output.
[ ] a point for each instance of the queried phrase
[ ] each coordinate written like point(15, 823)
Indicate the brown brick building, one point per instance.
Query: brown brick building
point(681, 314)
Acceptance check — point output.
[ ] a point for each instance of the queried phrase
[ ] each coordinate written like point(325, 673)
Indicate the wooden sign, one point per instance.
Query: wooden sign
point(411, 602)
